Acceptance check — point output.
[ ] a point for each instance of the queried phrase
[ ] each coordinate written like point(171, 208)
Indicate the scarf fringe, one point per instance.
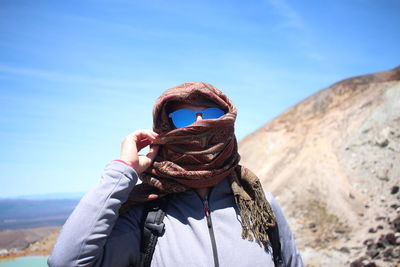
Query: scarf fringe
point(257, 216)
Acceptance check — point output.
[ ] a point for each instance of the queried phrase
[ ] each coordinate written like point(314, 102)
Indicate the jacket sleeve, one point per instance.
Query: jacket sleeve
point(94, 235)
point(290, 254)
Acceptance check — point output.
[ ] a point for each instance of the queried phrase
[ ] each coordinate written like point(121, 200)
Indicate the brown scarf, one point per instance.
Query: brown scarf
point(202, 155)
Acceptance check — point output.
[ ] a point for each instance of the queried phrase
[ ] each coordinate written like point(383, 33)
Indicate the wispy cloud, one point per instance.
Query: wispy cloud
point(150, 32)
point(291, 16)
point(299, 30)
point(72, 78)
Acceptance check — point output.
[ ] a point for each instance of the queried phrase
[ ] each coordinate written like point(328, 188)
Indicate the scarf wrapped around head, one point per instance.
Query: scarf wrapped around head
point(202, 155)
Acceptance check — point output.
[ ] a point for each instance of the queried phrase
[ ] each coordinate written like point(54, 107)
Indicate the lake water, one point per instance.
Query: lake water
point(28, 261)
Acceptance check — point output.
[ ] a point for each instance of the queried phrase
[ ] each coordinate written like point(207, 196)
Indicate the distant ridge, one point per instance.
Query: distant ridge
point(74, 195)
point(24, 213)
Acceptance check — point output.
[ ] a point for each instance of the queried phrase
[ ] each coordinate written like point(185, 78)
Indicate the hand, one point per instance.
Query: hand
point(135, 142)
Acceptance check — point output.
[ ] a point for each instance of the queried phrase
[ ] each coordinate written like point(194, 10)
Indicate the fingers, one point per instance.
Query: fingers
point(143, 138)
point(144, 135)
point(133, 143)
point(143, 143)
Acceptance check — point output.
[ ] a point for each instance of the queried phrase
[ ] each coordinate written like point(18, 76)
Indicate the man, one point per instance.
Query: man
point(216, 212)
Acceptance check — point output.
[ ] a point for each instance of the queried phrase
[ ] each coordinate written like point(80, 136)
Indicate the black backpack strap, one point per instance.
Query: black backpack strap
point(273, 235)
point(152, 228)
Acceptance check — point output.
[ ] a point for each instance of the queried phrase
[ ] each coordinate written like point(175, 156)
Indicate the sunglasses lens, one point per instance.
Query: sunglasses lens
point(212, 113)
point(183, 117)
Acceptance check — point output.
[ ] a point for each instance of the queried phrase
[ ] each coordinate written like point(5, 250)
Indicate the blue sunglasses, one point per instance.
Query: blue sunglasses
point(184, 117)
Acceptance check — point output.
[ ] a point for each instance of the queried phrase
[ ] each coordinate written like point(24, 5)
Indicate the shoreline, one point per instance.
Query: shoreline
point(19, 254)
point(34, 241)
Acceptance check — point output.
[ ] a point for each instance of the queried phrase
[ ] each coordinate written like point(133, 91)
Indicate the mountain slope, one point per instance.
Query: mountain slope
point(332, 161)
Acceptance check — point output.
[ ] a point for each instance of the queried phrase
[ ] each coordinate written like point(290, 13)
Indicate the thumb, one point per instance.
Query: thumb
point(146, 161)
point(153, 152)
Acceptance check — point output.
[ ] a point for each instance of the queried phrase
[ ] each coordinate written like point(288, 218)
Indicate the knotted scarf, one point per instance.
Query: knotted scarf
point(202, 155)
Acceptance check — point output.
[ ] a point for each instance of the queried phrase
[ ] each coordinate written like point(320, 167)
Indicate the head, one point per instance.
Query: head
point(192, 96)
point(203, 152)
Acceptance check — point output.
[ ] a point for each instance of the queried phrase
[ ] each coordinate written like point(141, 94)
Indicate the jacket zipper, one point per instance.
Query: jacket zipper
point(211, 231)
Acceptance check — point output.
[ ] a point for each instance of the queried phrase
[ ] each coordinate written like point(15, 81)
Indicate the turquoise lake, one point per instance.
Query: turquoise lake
point(29, 261)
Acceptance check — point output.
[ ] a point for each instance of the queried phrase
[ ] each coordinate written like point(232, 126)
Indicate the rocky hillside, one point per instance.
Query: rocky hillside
point(22, 242)
point(333, 162)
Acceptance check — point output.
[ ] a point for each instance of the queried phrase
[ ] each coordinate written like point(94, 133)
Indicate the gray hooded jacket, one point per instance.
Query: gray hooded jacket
point(94, 234)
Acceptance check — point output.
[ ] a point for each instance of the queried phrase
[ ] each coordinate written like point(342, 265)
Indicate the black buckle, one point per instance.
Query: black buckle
point(156, 229)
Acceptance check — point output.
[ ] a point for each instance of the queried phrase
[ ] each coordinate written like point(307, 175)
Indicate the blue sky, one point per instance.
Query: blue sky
point(78, 76)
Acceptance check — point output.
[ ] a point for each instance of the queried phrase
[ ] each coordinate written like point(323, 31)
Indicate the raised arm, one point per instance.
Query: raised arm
point(94, 226)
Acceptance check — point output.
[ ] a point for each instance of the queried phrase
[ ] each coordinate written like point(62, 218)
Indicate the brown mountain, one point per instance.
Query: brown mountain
point(333, 162)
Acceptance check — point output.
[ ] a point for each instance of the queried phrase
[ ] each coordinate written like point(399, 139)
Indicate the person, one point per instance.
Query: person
point(217, 213)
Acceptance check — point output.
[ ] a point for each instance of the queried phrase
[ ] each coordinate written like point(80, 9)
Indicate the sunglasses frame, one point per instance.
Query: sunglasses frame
point(194, 113)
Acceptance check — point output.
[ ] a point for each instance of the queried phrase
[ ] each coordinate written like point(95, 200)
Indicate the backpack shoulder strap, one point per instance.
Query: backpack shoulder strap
point(273, 235)
point(152, 228)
